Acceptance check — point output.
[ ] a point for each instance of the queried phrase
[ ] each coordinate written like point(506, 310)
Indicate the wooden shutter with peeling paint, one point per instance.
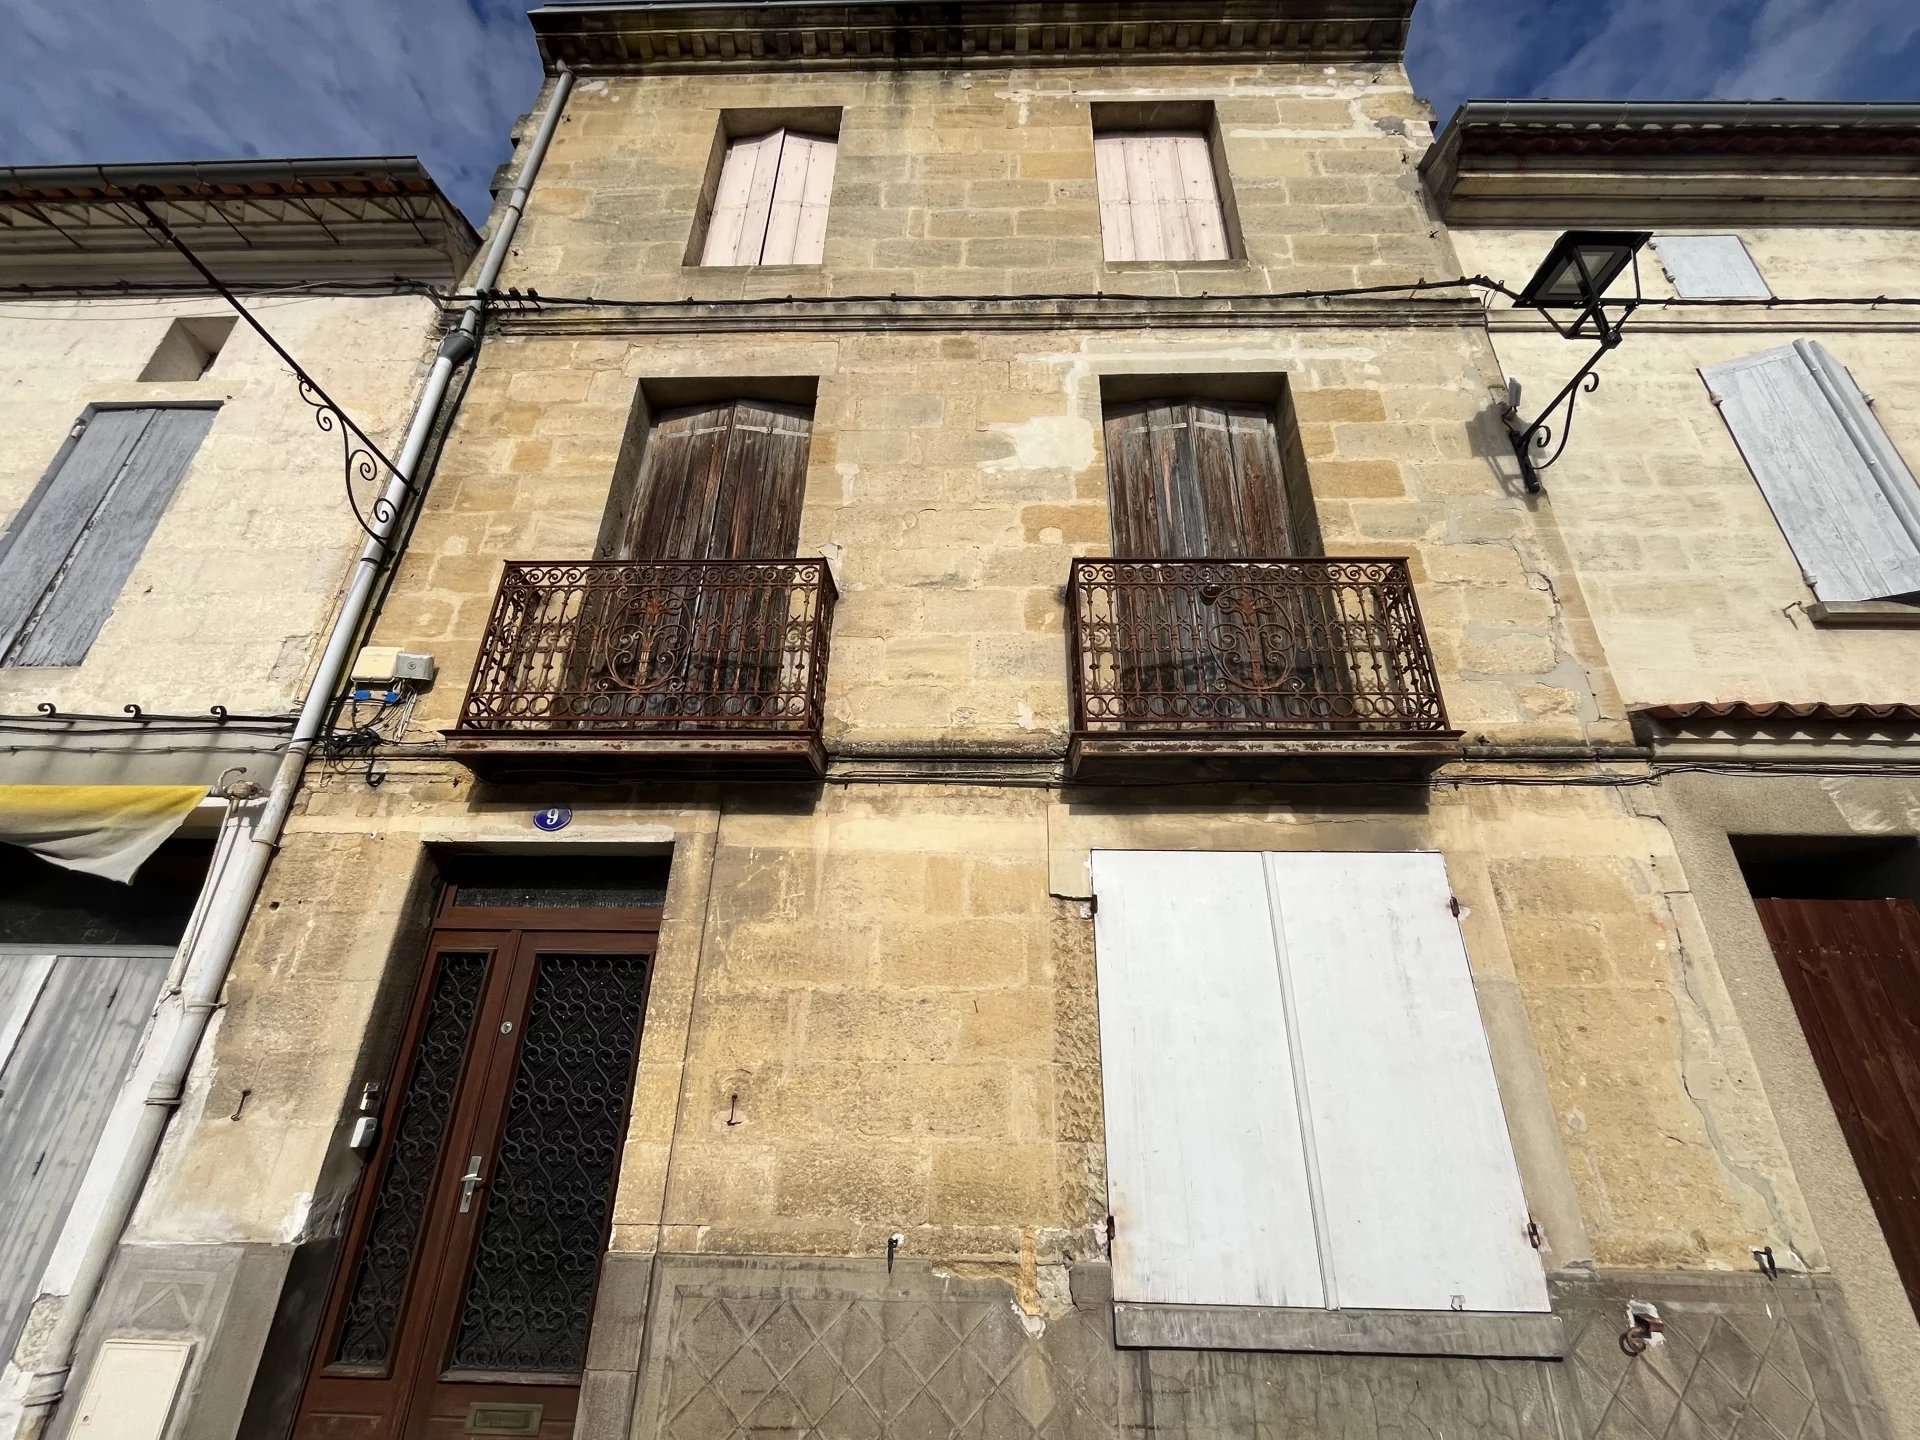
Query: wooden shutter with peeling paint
point(1710, 267)
point(1842, 495)
point(69, 1027)
point(720, 482)
point(771, 204)
point(68, 555)
point(1199, 479)
point(1159, 197)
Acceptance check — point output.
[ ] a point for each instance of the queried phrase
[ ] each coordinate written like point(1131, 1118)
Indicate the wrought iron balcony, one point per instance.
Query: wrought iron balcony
point(1251, 660)
point(710, 664)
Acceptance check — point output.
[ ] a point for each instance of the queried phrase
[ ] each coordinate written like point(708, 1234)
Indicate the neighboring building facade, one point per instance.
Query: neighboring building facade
point(1739, 504)
point(1022, 830)
point(173, 541)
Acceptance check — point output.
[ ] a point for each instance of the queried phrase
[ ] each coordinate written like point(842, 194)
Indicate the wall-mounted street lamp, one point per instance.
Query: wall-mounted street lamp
point(1574, 277)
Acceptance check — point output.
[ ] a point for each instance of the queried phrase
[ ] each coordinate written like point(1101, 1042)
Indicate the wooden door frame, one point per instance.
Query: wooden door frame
point(509, 936)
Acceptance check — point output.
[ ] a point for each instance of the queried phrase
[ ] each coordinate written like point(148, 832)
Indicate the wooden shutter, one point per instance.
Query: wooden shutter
point(1842, 495)
point(721, 482)
point(1206, 1168)
point(80, 1021)
point(771, 204)
point(1197, 479)
point(1159, 198)
point(1300, 1101)
point(1710, 267)
point(69, 556)
point(1422, 1201)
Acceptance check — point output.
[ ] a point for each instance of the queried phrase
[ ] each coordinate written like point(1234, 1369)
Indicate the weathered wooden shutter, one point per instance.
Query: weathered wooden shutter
point(721, 482)
point(1842, 495)
point(1197, 479)
point(1300, 1100)
point(1206, 1168)
point(1159, 198)
point(1421, 1197)
point(1710, 267)
point(69, 555)
point(75, 1022)
point(771, 204)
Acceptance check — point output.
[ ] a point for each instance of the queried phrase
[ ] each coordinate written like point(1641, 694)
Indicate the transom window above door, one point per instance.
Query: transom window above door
point(767, 192)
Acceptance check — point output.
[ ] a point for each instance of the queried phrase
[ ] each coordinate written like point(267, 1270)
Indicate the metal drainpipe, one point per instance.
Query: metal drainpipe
point(233, 900)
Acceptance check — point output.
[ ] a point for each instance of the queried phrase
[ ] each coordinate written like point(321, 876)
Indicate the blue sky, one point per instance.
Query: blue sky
point(115, 80)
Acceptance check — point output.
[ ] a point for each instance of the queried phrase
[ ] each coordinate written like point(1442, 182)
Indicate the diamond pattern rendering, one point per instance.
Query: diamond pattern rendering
point(853, 1368)
point(1723, 1371)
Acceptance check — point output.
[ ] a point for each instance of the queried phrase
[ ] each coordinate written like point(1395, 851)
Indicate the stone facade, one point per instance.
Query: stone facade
point(873, 1009)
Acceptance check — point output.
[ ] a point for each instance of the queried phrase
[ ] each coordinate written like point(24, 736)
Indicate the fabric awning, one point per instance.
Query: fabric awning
point(106, 830)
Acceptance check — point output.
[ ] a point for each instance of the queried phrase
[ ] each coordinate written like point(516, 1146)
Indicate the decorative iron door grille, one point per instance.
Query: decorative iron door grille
point(1235, 647)
point(666, 647)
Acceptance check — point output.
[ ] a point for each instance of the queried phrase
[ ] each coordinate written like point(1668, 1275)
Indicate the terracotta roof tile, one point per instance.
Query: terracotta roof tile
point(1757, 712)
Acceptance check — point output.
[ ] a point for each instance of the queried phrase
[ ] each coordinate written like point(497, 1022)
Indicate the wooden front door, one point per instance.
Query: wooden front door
point(464, 1295)
point(1853, 970)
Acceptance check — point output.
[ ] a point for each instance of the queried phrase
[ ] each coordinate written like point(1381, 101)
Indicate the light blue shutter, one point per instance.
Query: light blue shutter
point(1710, 267)
point(1842, 495)
point(76, 1024)
point(64, 565)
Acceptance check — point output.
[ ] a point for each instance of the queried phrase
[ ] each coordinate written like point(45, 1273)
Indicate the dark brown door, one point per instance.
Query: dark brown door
point(1221, 645)
point(1853, 970)
point(463, 1302)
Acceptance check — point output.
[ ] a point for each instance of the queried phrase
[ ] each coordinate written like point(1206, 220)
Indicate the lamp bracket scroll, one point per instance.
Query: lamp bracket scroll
point(1574, 277)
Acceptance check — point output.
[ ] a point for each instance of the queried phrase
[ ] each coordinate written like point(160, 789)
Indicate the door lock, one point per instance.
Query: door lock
point(470, 1182)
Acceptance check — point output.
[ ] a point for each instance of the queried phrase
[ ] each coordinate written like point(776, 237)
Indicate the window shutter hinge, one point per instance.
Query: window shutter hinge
point(1534, 1237)
point(1453, 906)
point(79, 429)
point(1093, 906)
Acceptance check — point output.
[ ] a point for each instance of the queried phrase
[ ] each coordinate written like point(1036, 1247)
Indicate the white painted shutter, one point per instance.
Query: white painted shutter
point(771, 204)
point(1301, 1108)
point(797, 230)
point(1206, 1171)
point(1159, 199)
point(1842, 495)
point(63, 571)
point(1710, 267)
point(80, 1021)
point(1422, 1199)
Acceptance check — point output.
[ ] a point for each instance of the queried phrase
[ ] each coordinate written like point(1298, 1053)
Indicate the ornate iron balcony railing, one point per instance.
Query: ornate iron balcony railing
point(673, 649)
point(1314, 648)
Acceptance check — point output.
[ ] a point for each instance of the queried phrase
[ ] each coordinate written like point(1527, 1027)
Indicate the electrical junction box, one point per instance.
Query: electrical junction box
point(383, 664)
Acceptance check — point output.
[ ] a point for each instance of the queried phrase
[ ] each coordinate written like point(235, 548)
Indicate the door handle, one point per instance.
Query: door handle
point(469, 1183)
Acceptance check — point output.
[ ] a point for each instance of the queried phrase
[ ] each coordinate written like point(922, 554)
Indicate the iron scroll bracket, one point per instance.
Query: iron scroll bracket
point(362, 460)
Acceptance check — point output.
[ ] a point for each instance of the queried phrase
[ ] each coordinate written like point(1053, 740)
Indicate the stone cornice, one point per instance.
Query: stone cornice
point(1576, 164)
point(643, 37)
point(988, 312)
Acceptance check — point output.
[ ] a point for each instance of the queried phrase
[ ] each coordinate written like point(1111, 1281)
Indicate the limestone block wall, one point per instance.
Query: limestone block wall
point(229, 600)
point(983, 182)
point(1693, 587)
point(891, 995)
point(952, 476)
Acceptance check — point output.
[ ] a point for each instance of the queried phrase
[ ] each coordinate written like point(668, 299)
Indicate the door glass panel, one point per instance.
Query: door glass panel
point(530, 1292)
point(373, 1306)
